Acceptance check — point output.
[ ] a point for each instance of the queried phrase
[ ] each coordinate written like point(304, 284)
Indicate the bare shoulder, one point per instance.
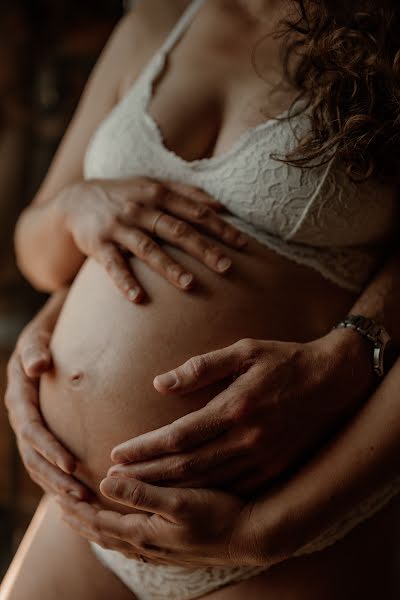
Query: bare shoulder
point(142, 31)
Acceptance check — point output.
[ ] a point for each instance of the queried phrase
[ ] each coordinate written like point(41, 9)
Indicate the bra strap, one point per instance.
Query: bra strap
point(181, 26)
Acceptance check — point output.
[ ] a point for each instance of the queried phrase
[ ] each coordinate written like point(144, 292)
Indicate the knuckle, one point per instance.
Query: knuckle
point(59, 486)
point(179, 505)
point(146, 246)
point(253, 437)
point(25, 432)
point(248, 346)
point(258, 436)
point(227, 232)
point(135, 494)
point(202, 213)
point(196, 366)
point(137, 536)
point(242, 406)
point(174, 270)
point(30, 463)
point(183, 467)
point(109, 263)
point(155, 191)
point(180, 229)
point(174, 442)
point(109, 225)
point(117, 487)
point(131, 210)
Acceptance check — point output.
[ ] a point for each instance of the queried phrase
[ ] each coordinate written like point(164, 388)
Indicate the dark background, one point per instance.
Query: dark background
point(47, 49)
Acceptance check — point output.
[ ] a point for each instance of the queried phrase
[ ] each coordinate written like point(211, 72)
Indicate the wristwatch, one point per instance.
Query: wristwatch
point(374, 332)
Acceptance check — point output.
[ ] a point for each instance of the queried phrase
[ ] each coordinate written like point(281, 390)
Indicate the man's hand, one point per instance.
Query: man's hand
point(285, 400)
point(190, 527)
point(49, 464)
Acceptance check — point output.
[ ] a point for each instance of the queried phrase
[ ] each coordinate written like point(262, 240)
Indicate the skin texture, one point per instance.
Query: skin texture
point(289, 275)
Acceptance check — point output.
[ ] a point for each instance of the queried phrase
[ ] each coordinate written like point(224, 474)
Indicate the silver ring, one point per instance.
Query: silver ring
point(153, 227)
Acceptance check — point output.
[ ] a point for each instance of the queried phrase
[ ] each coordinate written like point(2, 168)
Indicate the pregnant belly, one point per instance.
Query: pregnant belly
point(107, 351)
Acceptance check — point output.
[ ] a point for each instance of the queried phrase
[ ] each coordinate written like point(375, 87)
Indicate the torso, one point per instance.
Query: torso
point(107, 351)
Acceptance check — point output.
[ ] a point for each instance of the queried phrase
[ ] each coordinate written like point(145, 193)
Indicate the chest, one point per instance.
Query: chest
point(208, 91)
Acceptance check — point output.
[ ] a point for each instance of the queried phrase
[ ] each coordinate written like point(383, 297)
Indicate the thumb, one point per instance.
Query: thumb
point(200, 371)
point(35, 354)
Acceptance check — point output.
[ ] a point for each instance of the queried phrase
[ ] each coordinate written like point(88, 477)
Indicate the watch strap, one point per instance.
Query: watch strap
point(374, 332)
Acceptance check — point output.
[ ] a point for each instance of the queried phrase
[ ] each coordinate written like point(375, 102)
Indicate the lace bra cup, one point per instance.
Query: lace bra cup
point(315, 216)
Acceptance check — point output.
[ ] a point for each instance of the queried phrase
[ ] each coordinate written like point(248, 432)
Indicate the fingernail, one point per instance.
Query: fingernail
point(64, 468)
point(168, 380)
point(113, 471)
point(133, 294)
point(186, 279)
point(74, 494)
point(224, 263)
point(107, 487)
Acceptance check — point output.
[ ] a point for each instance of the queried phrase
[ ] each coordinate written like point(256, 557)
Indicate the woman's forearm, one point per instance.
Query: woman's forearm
point(45, 250)
point(360, 461)
point(380, 300)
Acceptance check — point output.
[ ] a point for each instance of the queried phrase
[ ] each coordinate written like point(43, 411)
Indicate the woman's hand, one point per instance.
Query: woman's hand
point(48, 463)
point(108, 218)
point(190, 527)
point(285, 400)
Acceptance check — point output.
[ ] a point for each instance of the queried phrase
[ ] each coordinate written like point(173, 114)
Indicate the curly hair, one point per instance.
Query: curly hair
point(344, 59)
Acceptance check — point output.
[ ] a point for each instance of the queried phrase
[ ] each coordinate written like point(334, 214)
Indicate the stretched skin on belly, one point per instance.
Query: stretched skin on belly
point(107, 351)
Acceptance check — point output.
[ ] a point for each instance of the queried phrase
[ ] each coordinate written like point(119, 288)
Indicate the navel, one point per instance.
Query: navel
point(76, 378)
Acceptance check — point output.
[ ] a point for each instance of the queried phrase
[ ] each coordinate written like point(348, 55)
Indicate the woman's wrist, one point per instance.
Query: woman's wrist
point(347, 347)
point(63, 206)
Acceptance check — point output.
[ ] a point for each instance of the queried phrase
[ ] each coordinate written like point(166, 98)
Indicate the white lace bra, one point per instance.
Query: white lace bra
point(316, 217)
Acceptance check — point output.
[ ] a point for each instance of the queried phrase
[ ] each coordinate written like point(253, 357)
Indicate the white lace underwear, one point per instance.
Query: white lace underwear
point(159, 582)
